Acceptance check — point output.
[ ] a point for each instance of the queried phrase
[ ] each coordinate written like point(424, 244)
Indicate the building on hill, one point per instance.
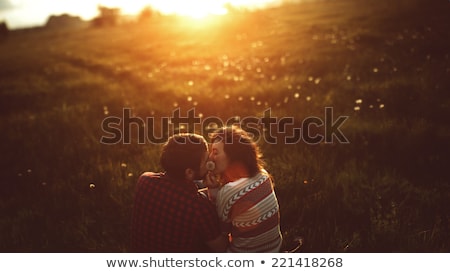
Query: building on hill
point(64, 20)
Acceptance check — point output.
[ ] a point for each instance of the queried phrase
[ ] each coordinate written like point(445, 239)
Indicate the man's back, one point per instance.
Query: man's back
point(171, 216)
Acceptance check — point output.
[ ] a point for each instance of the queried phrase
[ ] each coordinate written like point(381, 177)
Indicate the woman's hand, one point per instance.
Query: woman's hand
point(211, 181)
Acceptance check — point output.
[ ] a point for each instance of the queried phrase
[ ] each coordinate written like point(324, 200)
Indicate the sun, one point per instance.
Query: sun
point(192, 8)
point(203, 8)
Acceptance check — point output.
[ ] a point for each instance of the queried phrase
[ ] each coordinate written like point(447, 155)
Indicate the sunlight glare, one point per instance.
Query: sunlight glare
point(194, 8)
point(29, 12)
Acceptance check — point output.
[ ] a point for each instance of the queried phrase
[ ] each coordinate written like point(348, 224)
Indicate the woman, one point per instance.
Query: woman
point(244, 194)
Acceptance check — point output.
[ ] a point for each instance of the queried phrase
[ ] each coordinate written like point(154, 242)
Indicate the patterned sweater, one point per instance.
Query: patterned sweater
point(248, 209)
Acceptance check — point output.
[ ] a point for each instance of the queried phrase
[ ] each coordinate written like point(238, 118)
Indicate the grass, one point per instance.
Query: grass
point(382, 65)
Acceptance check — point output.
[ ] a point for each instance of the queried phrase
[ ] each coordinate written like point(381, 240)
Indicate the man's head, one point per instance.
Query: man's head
point(184, 156)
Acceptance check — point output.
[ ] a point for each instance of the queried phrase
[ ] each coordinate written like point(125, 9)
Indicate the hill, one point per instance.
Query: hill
point(381, 66)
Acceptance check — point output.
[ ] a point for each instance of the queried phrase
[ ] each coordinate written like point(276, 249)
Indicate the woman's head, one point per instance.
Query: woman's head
point(231, 146)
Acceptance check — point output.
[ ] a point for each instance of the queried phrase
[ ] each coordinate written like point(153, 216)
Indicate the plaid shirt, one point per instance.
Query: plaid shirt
point(171, 216)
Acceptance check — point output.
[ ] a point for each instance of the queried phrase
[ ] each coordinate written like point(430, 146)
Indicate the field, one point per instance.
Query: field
point(384, 65)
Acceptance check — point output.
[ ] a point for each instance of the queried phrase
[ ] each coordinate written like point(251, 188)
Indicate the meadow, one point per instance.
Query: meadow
point(382, 64)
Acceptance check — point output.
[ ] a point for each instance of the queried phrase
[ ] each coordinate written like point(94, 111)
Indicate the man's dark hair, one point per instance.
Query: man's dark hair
point(240, 147)
point(183, 151)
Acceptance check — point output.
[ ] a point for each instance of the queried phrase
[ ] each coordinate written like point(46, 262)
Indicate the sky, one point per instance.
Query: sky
point(28, 13)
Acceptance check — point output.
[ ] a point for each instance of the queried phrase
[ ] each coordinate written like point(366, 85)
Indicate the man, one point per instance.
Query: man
point(170, 215)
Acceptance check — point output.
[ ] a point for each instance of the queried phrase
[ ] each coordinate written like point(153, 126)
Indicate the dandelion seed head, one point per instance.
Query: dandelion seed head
point(210, 165)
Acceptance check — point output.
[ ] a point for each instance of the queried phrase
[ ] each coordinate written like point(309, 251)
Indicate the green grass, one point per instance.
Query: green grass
point(385, 191)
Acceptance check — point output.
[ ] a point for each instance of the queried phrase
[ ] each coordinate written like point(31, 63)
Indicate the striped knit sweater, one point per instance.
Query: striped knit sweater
point(248, 209)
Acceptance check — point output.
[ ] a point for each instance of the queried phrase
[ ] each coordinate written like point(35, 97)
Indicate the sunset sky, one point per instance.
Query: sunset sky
point(26, 13)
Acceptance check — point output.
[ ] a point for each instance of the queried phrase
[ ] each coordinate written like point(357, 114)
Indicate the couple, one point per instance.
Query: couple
point(240, 215)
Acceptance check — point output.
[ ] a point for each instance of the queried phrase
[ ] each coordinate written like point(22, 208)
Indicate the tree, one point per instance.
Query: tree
point(107, 16)
point(145, 14)
point(3, 30)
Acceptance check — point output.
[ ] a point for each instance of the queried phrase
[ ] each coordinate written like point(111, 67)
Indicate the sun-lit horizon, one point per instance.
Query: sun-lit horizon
point(28, 13)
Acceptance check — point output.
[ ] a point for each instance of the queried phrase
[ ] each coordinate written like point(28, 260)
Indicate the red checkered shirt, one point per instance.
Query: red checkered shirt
point(171, 216)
